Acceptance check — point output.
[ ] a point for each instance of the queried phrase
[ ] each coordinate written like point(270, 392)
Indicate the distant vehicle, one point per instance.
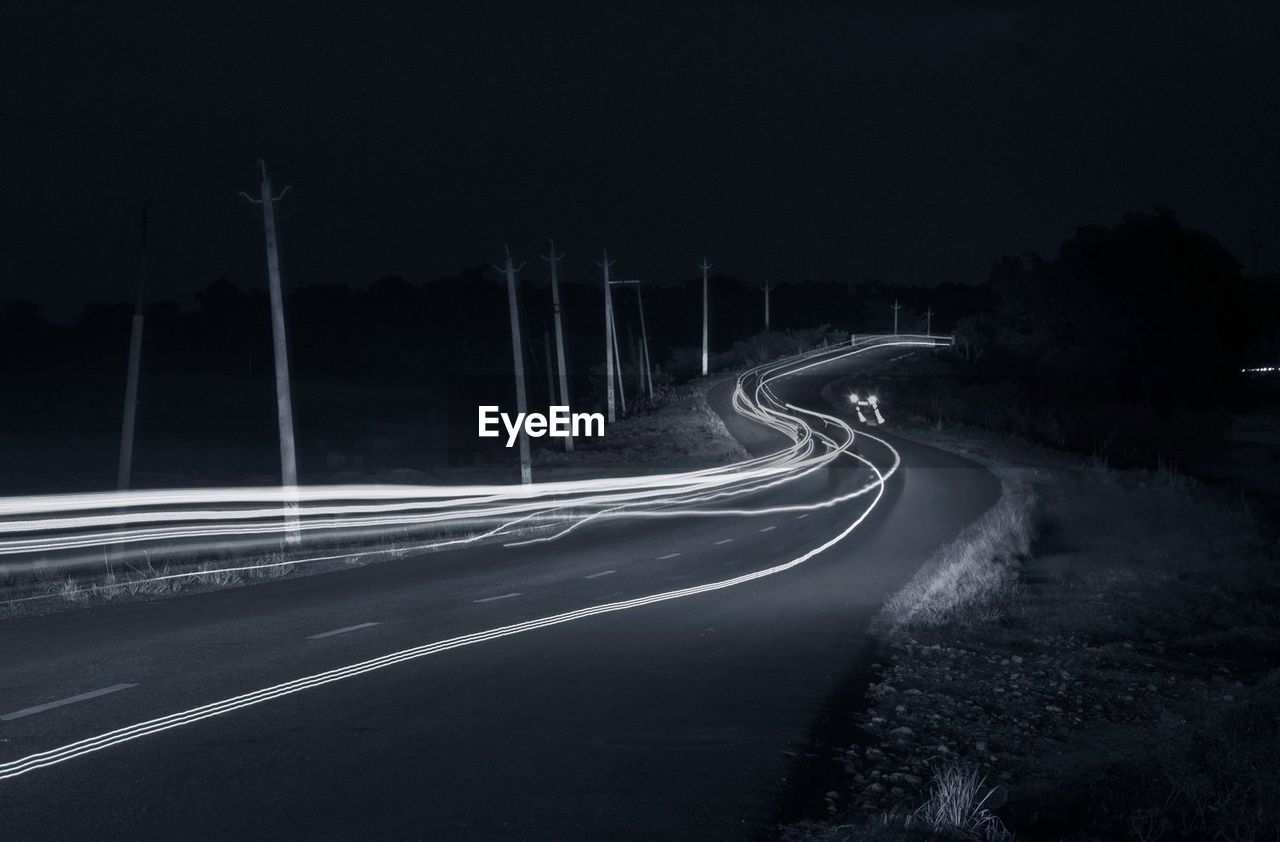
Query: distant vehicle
point(868, 408)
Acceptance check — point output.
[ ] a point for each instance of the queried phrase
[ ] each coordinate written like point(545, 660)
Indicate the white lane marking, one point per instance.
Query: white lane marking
point(767, 528)
point(724, 541)
point(70, 700)
point(496, 598)
point(802, 517)
point(342, 630)
point(598, 575)
point(89, 745)
point(667, 556)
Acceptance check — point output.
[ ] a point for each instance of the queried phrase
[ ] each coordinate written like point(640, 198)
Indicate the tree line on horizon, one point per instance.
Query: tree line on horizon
point(1084, 349)
point(455, 325)
point(1127, 345)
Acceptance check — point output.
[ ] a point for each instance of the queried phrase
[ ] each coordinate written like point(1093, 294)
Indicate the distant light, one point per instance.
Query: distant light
point(1265, 369)
point(874, 401)
point(853, 397)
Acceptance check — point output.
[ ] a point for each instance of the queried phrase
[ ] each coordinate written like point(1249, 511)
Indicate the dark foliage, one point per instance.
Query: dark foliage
point(1118, 346)
point(1128, 344)
point(380, 373)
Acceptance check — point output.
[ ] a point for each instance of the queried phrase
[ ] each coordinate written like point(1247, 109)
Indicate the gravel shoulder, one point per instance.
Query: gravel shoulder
point(1115, 675)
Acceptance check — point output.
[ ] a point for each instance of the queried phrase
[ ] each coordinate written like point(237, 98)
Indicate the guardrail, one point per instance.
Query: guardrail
point(858, 340)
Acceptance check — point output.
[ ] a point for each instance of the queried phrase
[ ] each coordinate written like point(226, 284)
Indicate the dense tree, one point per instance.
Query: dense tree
point(1146, 308)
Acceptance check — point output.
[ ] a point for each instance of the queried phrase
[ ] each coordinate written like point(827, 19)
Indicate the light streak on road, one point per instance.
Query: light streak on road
point(65, 531)
point(812, 447)
point(100, 742)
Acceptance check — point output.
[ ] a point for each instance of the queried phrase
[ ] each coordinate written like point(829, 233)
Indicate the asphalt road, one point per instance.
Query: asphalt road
point(689, 718)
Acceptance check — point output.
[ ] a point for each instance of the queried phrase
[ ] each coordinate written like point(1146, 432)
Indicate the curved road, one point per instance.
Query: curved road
point(687, 718)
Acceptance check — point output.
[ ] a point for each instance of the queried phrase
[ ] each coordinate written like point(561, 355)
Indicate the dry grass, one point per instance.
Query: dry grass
point(111, 587)
point(955, 809)
point(214, 574)
point(70, 591)
point(179, 574)
point(270, 566)
point(958, 804)
point(186, 570)
point(975, 577)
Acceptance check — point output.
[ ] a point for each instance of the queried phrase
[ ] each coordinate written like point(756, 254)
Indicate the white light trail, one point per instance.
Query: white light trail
point(80, 748)
point(635, 497)
point(64, 531)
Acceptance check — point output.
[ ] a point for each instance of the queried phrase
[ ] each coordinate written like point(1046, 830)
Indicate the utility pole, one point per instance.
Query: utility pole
point(646, 380)
point(554, 259)
point(928, 322)
point(125, 468)
point(638, 356)
point(896, 307)
point(644, 342)
point(704, 265)
point(604, 264)
point(767, 288)
point(617, 356)
point(526, 472)
point(284, 400)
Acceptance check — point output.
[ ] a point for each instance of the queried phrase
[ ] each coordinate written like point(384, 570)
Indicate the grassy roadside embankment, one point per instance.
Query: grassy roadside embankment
point(1096, 658)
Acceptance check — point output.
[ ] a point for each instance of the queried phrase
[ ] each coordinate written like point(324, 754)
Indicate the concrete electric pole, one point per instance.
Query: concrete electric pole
point(526, 471)
point(604, 264)
point(896, 307)
point(617, 356)
point(284, 399)
point(767, 288)
point(646, 379)
point(644, 342)
point(638, 355)
point(928, 322)
point(704, 266)
point(554, 259)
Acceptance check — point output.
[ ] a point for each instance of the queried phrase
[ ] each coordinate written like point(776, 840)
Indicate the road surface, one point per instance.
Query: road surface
point(688, 718)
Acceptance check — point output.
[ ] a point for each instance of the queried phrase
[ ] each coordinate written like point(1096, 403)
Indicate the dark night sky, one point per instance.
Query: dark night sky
point(912, 143)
